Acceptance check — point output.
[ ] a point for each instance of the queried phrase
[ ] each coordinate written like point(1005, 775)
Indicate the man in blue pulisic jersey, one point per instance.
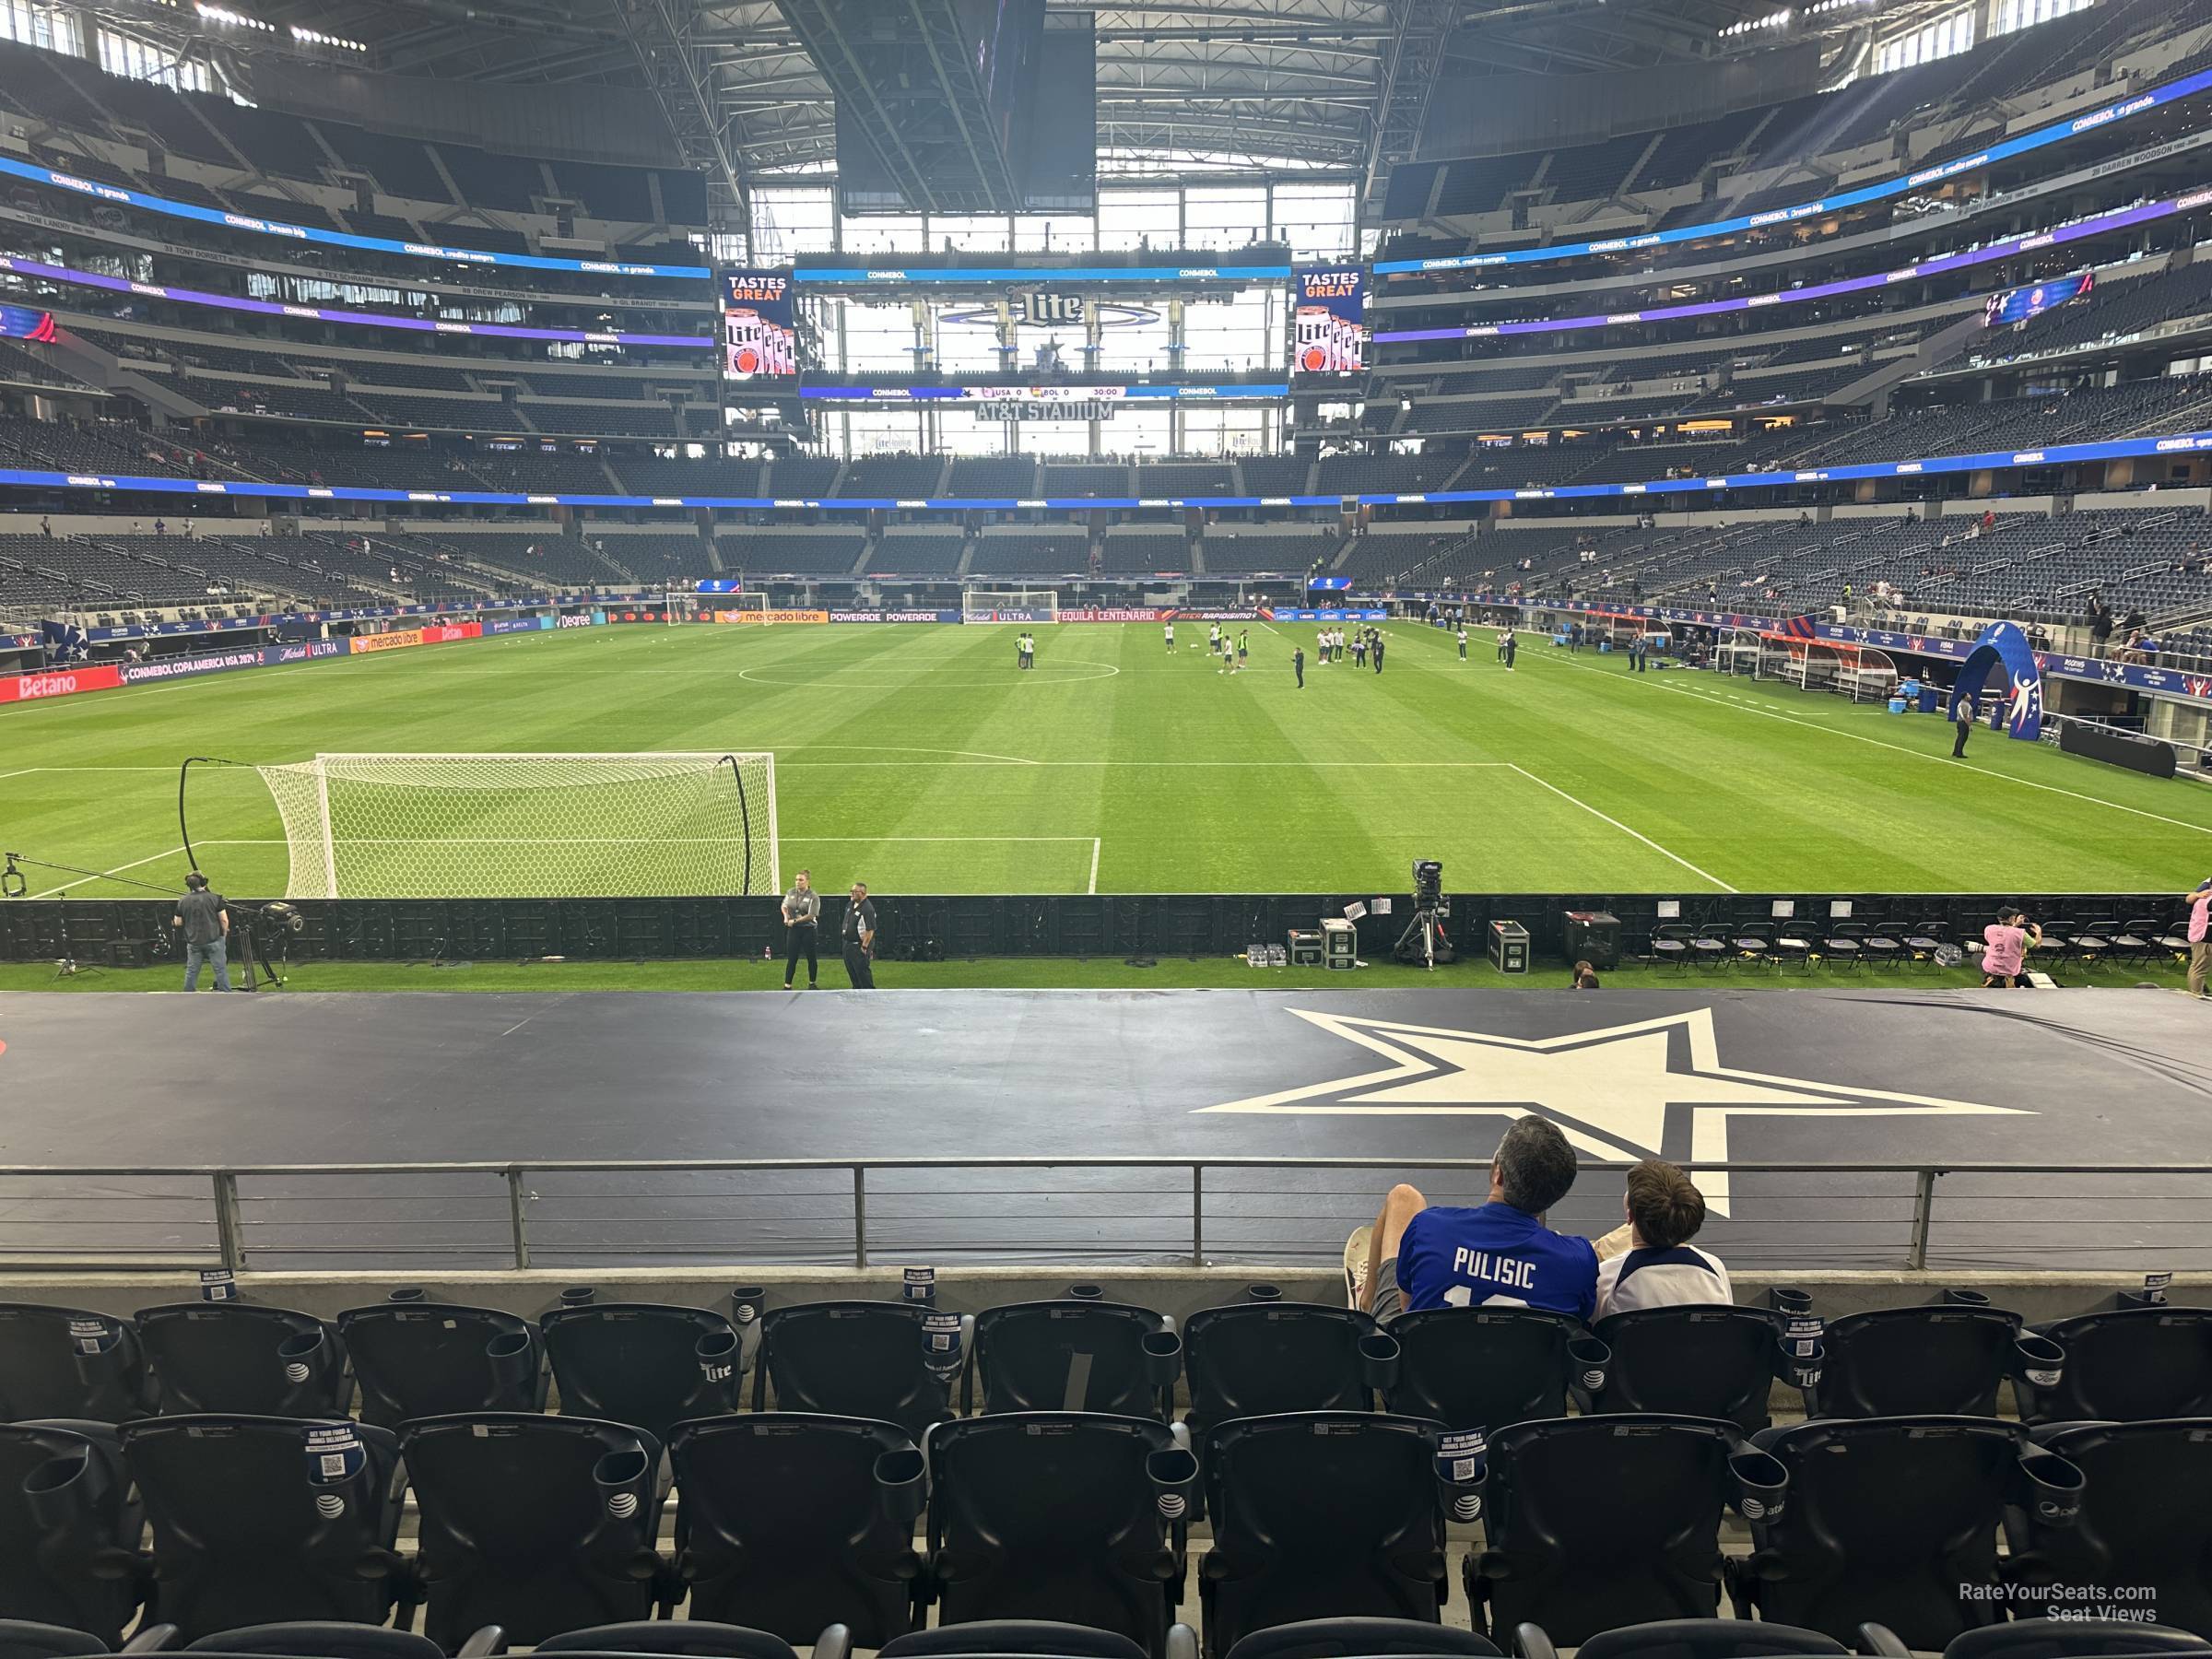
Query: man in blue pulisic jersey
point(1421, 1255)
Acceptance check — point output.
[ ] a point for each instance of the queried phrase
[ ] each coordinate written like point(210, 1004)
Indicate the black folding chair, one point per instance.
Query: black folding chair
point(1482, 1368)
point(1883, 944)
point(2126, 1365)
point(2094, 940)
point(2138, 939)
point(1073, 1354)
point(1703, 1360)
point(1649, 1551)
point(69, 1528)
point(1946, 1360)
point(788, 1521)
point(1845, 945)
point(1709, 945)
point(416, 1360)
point(66, 1362)
point(1261, 1359)
point(1671, 944)
point(2144, 1533)
point(1072, 1516)
point(642, 1363)
point(1893, 1521)
point(876, 1360)
point(538, 1524)
point(1924, 940)
point(257, 1520)
point(238, 1357)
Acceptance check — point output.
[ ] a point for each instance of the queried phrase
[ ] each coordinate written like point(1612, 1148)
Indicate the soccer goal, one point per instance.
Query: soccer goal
point(378, 825)
point(1009, 605)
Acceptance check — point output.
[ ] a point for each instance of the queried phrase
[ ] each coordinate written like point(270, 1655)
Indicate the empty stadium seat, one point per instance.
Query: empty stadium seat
point(415, 1358)
point(858, 1359)
point(1946, 1360)
point(1261, 1359)
point(27, 1639)
point(641, 1363)
point(791, 1521)
point(235, 1356)
point(1686, 1639)
point(1482, 1368)
point(69, 1528)
point(66, 1362)
point(1034, 1637)
point(1363, 1638)
point(2124, 1365)
point(1059, 1515)
point(1708, 1360)
point(1893, 1521)
point(261, 1519)
point(685, 1636)
point(1320, 1514)
point(2144, 1535)
point(1649, 1551)
point(311, 1639)
point(2050, 1638)
point(1073, 1354)
point(538, 1524)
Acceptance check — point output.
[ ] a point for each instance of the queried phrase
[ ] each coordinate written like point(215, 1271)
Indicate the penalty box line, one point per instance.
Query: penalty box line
point(1095, 843)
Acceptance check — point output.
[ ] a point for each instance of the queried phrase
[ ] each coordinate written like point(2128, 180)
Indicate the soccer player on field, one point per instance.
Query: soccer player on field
point(1171, 636)
point(1463, 641)
point(1213, 639)
point(1243, 645)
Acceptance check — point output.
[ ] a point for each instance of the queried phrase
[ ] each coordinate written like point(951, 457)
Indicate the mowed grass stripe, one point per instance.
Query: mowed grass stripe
point(906, 742)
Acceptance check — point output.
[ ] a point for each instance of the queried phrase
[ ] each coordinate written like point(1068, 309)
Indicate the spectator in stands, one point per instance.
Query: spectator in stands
point(1418, 1255)
point(2006, 944)
point(206, 922)
point(2199, 901)
point(1657, 1266)
point(45, 526)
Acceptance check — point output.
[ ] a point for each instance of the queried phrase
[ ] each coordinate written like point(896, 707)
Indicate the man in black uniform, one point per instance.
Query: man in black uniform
point(1297, 664)
point(802, 911)
point(859, 938)
point(1377, 648)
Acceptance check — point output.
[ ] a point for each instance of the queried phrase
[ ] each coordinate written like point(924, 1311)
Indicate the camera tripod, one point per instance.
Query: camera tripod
point(1424, 940)
point(268, 926)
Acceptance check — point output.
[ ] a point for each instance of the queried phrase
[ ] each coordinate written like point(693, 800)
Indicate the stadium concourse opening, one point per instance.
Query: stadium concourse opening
point(1485, 729)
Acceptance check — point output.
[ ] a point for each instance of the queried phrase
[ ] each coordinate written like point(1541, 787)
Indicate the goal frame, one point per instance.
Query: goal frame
point(1027, 601)
point(711, 759)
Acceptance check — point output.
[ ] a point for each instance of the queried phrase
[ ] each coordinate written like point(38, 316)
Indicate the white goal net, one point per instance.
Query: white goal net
point(378, 826)
point(1009, 605)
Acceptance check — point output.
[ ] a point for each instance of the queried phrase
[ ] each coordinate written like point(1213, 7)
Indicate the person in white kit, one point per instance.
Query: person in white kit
point(1650, 1262)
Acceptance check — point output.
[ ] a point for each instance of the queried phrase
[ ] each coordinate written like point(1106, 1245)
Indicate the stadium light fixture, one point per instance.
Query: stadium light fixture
point(223, 14)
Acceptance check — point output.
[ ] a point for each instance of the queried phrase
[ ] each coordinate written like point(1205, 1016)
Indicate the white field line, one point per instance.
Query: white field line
point(1094, 845)
point(1617, 824)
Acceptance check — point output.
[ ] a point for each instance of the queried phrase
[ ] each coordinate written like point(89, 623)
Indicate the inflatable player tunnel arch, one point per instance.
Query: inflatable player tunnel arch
point(2002, 665)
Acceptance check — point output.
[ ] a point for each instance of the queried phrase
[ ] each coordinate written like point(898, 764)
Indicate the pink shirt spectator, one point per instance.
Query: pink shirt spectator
point(2007, 951)
point(2200, 913)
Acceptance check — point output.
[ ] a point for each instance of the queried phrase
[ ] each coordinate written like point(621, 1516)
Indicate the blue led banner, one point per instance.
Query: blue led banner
point(948, 276)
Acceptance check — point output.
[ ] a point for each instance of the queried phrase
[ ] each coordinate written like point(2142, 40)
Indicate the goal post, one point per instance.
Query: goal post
point(1009, 605)
point(683, 824)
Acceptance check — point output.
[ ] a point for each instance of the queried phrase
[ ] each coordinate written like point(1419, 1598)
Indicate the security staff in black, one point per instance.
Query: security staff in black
point(859, 938)
point(802, 911)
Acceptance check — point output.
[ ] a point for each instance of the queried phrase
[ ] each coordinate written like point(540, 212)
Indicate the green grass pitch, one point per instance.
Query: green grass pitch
point(920, 759)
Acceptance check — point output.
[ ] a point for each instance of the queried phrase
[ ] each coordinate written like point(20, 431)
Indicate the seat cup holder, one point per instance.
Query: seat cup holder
point(579, 1296)
point(409, 1293)
point(1263, 1293)
point(1761, 1486)
point(745, 1303)
point(1174, 1477)
point(2048, 1488)
point(1164, 1357)
point(717, 1355)
point(1379, 1354)
point(1086, 1293)
point(513, 1359)
point(900, 1485)
point(1590, 1362)
point(2037, 1361)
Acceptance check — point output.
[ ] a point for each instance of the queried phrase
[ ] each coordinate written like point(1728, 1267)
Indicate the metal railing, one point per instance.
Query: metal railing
point(1201, 1200)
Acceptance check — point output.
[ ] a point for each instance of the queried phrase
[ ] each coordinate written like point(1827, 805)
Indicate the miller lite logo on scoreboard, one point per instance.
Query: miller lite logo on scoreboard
point(1330, 322)
point(1041, 305)
point(1044, 406)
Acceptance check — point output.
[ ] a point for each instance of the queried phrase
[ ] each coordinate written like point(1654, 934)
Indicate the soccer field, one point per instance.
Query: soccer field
point(919, 759)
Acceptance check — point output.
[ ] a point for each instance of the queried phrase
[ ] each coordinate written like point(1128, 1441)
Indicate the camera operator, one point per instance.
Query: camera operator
point(2006, 942)
point(205, 920)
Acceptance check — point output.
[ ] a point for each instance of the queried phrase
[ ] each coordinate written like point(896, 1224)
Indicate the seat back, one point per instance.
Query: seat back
point(1708, 1638)
point(1482, 1368)
point(1704, 1359)
point(538, 1524)
point(854, 1358)
point(1650, 1550)
point(68, 1528)
point(257, 1520)
point(238, 1359)
point(66, 1362)
point(672, 1636)
point(642, 1363)
point(320, 1638)
point(1052, 1515)
point(1320, 1514)
point(1263, 1359)
point(2144, 1521)
point(1363, 1638)
point(790, 1523)
point(2074, 1639)
point(416, 1360)
point(1888, 1519)
point(27, 1639)
point(1945, 1360)
point(2127, 1365)
point(1076, 1355)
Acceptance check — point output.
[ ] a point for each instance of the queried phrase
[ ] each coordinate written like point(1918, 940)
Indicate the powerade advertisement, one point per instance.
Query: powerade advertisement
point(759, 329)
point(1331, 320)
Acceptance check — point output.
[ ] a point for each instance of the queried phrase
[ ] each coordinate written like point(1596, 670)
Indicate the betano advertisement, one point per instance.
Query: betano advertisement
point(59, 682)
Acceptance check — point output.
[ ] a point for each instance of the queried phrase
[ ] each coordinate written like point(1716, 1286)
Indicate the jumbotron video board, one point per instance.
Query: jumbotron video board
point(760, 326)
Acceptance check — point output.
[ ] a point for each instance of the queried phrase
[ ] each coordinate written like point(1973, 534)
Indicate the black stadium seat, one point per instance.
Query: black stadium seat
point(1264, 1358)
point(2054, 1638)
point(66, 1362)
point(1894, 1521)
point(2144, 1535)
point(1363, 1638)
point(1709, 1360)
point(538, 1524)
point(1649, 1551)
point(1482, 1368)
point(418, 1360)
point(1073, 1354)
point(1688, 1638)
point(1033, 1638)
point(1061, 1516)
point(69, 1528)
point(858, 1359)
point(1320, 1514)
point(235, 1356)
point(262, 1519)
point(641, 1363)
point(699, 1636)
point(308, 1639)
point(27, 1639)
point(791, 1521)
point(1946, 1360)
point(2124, 1365)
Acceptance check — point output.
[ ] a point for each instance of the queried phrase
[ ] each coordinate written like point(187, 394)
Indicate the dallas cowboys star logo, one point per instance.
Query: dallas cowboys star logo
point(1615, 1093)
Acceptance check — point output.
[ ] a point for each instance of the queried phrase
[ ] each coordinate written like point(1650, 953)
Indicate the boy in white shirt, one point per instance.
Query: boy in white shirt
point(1650, 1262)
